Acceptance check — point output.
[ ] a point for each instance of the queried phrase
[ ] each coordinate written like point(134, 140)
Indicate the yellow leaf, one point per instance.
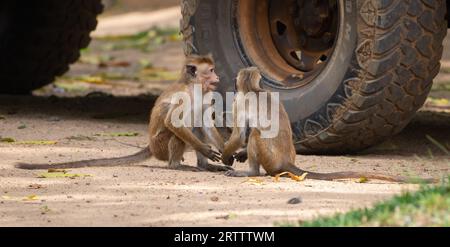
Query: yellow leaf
point(442, 102)
point(302, 177)
point(362, 180)
point(118, 134)
point(31, 198)
point(277, 177)
point(292, 176)
point(254, 181)
point(6, 197)
point(36, 142)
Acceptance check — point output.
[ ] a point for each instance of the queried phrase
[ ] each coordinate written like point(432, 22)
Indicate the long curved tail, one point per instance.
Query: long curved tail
point(140, 156)
point(349, 175)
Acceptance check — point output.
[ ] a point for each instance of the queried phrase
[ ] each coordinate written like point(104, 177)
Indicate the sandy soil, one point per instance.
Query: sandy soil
point(151, 195)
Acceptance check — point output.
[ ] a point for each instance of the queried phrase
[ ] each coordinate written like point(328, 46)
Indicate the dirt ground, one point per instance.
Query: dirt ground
point(70, 114)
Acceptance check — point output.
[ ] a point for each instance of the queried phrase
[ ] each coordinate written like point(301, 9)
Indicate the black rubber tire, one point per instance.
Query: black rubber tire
point(389, 52)
point(40, 39)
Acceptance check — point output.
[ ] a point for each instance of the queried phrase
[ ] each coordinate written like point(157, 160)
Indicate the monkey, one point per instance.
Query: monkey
point(166, 141)
point(276, 155)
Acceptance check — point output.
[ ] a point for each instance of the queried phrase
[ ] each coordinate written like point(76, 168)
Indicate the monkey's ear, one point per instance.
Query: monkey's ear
point(191, 69)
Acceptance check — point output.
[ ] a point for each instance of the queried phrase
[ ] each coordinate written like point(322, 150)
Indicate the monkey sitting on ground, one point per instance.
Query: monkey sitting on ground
point(167, 142)
point(277, 154)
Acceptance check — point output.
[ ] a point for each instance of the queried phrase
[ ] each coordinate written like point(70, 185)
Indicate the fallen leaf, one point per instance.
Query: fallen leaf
point(31, 198)
point(254, 181)
point(92, 79)
point(62, 175)
point(52, 170)
point(114, 64)
point(36, 142)
point(7, 140)
point(442, 102)
point(119, 134)
point(215, 199)
point(2, 117)
point(292, 176)
point(6, 197)
point(362, 180)
point(21, 127)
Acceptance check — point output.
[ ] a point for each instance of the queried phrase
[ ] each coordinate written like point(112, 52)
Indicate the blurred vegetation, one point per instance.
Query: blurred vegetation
point(118, 61)
point(145, 41)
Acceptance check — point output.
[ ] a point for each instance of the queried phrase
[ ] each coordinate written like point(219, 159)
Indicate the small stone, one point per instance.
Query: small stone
point(295, 200)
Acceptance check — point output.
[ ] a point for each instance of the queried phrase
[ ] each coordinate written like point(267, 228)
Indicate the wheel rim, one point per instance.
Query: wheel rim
point(291, 41)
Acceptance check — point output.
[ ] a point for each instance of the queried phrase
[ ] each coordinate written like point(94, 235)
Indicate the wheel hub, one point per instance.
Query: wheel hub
point(291, 41)
point(304, 31)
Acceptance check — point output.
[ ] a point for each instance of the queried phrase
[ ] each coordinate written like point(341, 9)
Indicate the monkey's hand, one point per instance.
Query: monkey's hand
point(227, 160)
point(208, 152)
point(242, 156)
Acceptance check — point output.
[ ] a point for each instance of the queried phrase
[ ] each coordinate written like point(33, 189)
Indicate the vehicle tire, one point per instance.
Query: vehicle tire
point(375, 74)
point(40, 39)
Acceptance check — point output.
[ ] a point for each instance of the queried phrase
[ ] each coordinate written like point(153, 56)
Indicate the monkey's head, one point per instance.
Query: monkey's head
point(248, 80)
point(201, 69)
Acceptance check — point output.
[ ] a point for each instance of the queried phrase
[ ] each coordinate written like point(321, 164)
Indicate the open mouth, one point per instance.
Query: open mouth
point(213, 84)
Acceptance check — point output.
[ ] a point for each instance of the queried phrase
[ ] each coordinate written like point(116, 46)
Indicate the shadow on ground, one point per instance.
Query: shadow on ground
point(411, 141)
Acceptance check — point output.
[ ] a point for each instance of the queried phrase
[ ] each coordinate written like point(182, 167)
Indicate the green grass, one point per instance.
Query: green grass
point(145, 41)
point(430, 206)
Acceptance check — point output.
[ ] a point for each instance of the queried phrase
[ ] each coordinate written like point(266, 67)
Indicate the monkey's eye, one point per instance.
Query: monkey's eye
point(212, 70)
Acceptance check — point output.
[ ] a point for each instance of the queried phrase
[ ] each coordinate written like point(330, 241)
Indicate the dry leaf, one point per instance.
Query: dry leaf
point(254, 181)
point(362, 180)
point(31, 198)
point(93, 79)
point(119, 134)
point(6, 197)
point(36, 142)
point(62, 175)
point(7, 140)
point(114, 64)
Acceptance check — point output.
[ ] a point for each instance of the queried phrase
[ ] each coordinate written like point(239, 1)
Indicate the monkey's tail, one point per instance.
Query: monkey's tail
point(352, 175)
point(140, 156)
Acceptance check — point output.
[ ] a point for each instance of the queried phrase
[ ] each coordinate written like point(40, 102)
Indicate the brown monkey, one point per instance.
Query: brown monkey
point(167, 142)
point(277, 154)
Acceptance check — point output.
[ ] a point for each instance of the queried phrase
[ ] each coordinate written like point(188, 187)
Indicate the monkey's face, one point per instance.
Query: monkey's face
point(207, 76)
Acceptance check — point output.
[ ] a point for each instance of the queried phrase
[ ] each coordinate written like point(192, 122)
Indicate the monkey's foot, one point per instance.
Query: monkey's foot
point(239, 174)
point(215, 168)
